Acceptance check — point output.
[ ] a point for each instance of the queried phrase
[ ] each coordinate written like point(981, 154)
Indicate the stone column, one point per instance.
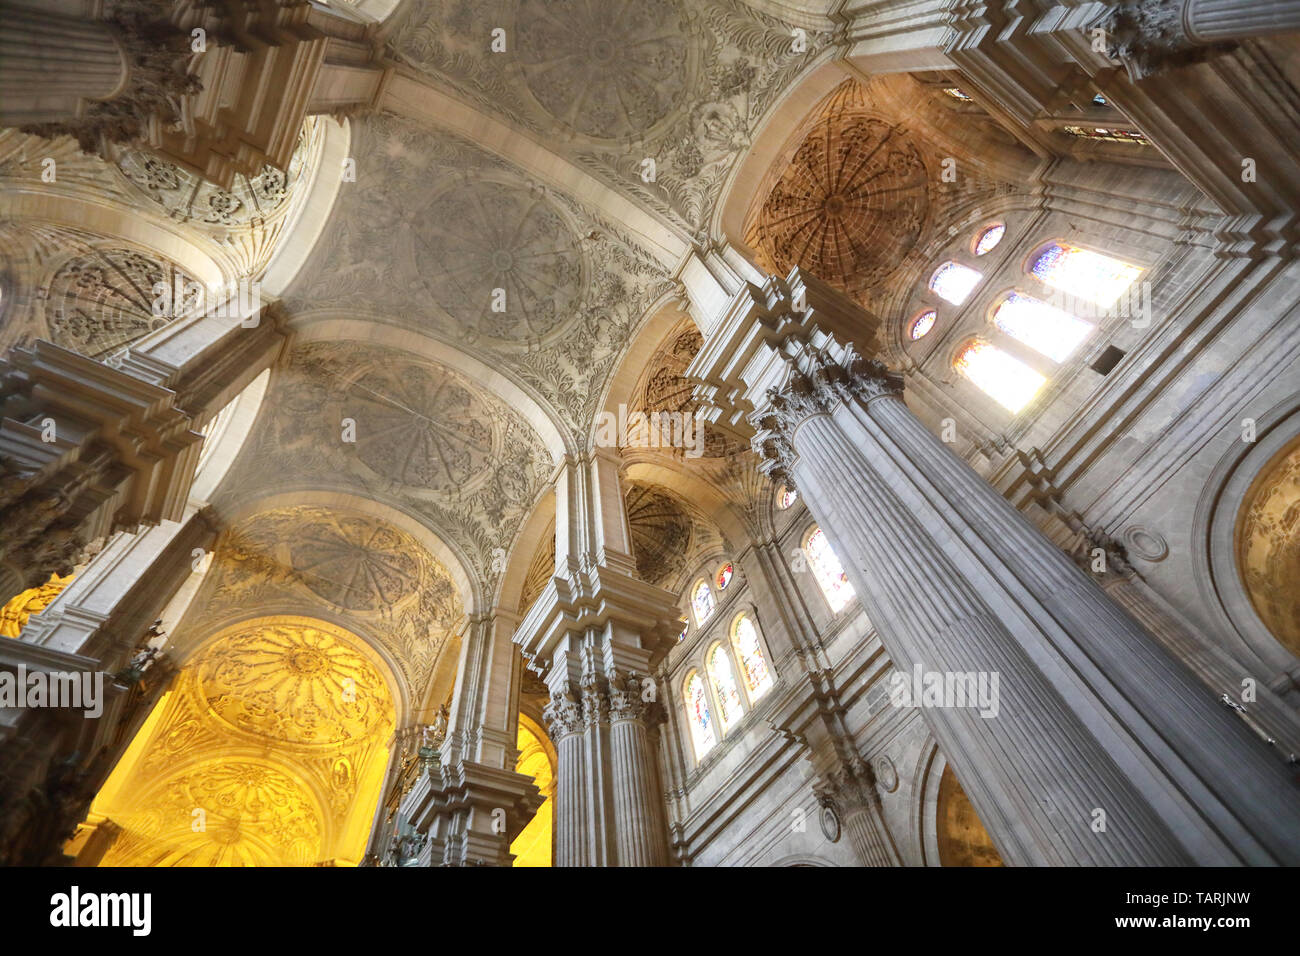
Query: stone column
point(564, 723)
point(1207, 21)
point(638, 807)
point(1155, 35)
point(597, 632)
point(851, 793)
point(51, 65)
point(469, 801)
point(1102, 749)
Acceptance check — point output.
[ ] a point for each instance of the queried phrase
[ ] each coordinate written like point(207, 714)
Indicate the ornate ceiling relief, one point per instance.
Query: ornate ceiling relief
point(82, 291)
point(860, 201)
point(1268, 548)
point(103, 299)
point(852, 202)
point(607, 70)
point(667, 534)
point(247, 221)
point(269, 750)
point(445, 238)
point(540, 570)
point(186, 197)
point(486, 236)
point(622, 80)
point(426, 440)
point(664, 388)
point(356, 565)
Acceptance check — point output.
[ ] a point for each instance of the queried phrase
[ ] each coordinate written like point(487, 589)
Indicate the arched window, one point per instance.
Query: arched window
point(828, 571)
point(954, 282)
point(988, 238)
point(1007, 380)
point(724, 687)
point(698, 716)
point(1047, 330)
point(786, 497)
point(1084, 274)
point(922, 324)
point(724, 576)
point(753, 665)
point(682, 636)
point(701, 601)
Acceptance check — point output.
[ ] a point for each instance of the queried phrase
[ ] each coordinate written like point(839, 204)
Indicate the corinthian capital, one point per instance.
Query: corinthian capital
point(563, 715)
point(626, 697)
point(818, 381)
point(1150, 36)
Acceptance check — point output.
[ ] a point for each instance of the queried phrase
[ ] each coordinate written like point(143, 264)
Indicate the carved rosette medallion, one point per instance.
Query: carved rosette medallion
point(850, 206)
point(609, 70)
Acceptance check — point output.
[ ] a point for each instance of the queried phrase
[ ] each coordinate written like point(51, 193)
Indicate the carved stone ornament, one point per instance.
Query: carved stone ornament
point(826, 382)
point(159, 55)
point(625, 697)
point(1149, 37)
point(563, 715)
point(830, 822)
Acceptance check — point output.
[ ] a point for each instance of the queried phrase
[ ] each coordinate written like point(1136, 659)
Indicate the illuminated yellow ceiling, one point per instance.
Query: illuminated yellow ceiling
point(1268, 547)
point(269, 750)
point(533, 845)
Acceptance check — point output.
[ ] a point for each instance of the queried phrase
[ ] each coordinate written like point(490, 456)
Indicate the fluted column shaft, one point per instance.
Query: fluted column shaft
point(1213, 20)
point(49, 63)
point(638, 806)
point(1093, 714)
point(565, 725)
point(863, 825)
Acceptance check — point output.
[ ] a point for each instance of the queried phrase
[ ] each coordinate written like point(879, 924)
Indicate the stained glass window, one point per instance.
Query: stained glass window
point(682, 636)
point(1099, 100)
point(724, 576)
point(954, 282)
point(989, 238)
point(828, 571)
point(922, 324)
point(786, 497)
point(1007, 380)
point(1054, 333)
point(1108, 134)
point(753, 665)
point(724, 687)
point(701, 602)
point(1084, 274)
point(697, 713)
point(958, 94)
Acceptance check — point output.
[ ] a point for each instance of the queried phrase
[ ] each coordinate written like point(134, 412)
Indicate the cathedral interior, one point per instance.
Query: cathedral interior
point(649, 433)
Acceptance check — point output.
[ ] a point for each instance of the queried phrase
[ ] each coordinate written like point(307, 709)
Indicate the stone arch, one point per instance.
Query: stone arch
point(359, 564)
point(1222, 539)
point(270, 748)
point(944, 822)
point(333, 326)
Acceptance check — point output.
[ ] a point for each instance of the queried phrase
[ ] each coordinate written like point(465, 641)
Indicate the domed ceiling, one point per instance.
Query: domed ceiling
point(610, 84)
point(427, 441)
point(344, 564)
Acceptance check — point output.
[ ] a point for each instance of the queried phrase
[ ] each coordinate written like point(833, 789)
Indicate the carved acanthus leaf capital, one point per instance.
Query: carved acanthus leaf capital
point(627, 697)
point(563, 714)
point(1149, 36)
point(817, 382)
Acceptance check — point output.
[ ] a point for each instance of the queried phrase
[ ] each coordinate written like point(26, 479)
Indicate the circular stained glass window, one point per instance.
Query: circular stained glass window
point(786, 497)
point(922, 324)
point(989, 238)
point(724, 576)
